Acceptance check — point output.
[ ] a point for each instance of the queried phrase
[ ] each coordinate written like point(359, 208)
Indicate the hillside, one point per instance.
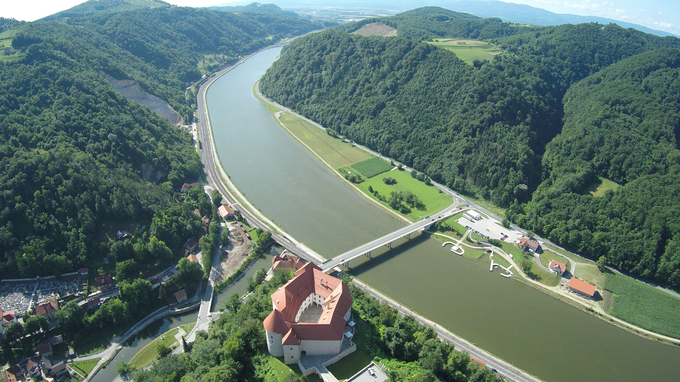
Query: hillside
point(256, 7)
point(483, 129)
point(94, 7)
point(79, 160)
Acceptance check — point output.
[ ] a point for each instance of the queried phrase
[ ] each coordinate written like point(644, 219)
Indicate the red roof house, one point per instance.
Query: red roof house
point(6, 317)
point(192, 257)
point(185, 187)
point(47, 308)
point(83, 271)
point(225, 212)
point(287, 262)
point(103, 282)
point(582, 287)
point(180, 296)
point(530, 245)
point(557, 267)
point(292, 330)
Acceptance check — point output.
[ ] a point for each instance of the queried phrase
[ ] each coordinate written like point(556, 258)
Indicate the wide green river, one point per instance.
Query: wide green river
point(535, 332)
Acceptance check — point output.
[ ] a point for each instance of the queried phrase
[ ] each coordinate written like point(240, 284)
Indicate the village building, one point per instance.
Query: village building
point(45, 349)
point(83, 271)
point(287, 262)
point(185, 187)
point(581, 287)
point(103, 282)
point(529, 245)
point(309, 315)
point(557, 267)
point(7, 317)
point(47, 308)
point(13, 374)
point(192, 257)
point(180, 296)
point(225, 212)
point(190, 244)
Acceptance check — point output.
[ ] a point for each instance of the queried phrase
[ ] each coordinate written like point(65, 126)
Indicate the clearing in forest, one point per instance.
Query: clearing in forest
point(468, 50)
point(603, 185)
point(376, 29)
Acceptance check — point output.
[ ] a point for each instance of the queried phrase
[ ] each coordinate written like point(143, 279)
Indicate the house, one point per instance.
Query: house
point(191, 244)
point(557, 267)
point(180, 296)
point(7, 317)
point(47, 308)
point(185, 187)
point(581, 287)
point(90, 304)
point(205, 222)
point(45, 349)
point(56, 340)
point(225, 212)
point(287, 262)
point(33, 367)
point(530, 245)
point(83, 271)
point(13, 374)
point(103, 282)
point(155, 283)
point(309, 315)
point(58, 369)
point(197, 212)
point(192, 257)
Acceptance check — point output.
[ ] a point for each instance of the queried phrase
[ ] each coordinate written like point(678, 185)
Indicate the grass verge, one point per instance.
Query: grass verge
point(149, 353)
point(84, 367)
point(643, 305)
point(432, 200)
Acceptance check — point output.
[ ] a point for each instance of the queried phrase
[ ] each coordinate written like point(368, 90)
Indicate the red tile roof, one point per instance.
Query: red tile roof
point(192, 257)
point(7, 316)
point(181, 296)
point(46, 307)
point(287, 262)
point(224, 211)
point(103, 280)
point(288, 299)
point(554, 264)
point(582, 286)
point(525, 242)
point(44, 348)
point(83, 271)
point(291, 338)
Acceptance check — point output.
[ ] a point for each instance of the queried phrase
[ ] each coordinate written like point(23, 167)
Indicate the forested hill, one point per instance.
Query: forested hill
point(483, 129)
point(94, 7)
point(77, 157)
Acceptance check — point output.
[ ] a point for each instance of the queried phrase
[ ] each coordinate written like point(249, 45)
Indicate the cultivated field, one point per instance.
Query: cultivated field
point(433, 200)
point(372, 167)
point(468, 50)
point(376, 29)
point(334, 151)
point(643, 305)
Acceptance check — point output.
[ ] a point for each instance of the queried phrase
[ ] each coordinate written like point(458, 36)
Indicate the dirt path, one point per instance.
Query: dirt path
point(234, 253)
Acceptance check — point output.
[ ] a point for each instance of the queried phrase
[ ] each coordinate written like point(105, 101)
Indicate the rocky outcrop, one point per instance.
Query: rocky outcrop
point(131, 90)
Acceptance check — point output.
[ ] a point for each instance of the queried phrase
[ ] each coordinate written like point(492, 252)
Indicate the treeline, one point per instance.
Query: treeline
point(512, 131)
point(79, 159)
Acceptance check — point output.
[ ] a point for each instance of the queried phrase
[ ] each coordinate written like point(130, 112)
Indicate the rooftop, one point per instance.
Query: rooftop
point(582, 286)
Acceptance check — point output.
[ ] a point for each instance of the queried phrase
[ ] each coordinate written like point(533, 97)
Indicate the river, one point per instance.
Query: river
point(526, 327)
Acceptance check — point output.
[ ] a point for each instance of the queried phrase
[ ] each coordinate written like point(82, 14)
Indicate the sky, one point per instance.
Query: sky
point(656, 14)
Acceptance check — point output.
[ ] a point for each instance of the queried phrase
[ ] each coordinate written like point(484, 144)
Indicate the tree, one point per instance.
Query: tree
point(601, 263)
point(13, 332)
point(123, 368)
point(525, 264)
point(216, 197)
point(70, 317)
point(233, 303)
point(163, 349)
point(506, 222)
point(35, 324)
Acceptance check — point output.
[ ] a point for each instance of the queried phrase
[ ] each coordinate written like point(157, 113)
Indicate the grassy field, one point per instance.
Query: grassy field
point(643, 305)
point(376, 29)
point(282, 370)
point(334, 151)
point(604, 185)
point(433, 200)
point(589, 273)
point(372, 167)
point(149, 353)
point(468, 50)
point(499, 259)
point(84, 367)
point(6, 41)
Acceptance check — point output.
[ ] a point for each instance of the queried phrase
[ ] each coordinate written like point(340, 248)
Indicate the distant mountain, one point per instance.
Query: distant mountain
point(93, 7)
point(516, 13)
point(255, 7)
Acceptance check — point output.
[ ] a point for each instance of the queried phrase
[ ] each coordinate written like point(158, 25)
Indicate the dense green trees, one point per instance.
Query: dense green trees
point(532, 130)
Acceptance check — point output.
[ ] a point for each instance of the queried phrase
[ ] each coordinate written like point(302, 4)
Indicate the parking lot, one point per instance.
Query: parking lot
point(489, 228)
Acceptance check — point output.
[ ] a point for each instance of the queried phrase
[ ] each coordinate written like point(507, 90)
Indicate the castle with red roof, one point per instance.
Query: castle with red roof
point(309, 315)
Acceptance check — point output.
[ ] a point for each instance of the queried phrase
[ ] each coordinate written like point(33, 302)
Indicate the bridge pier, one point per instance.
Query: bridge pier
point(408, 236)
point(368, 254)
point(389, 245)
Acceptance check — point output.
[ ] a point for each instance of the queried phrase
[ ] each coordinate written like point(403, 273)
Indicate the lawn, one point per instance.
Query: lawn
point(356, 361)
point(332, 150)
point(433, 200)
point(643, 305)
point(84, 367)
point(603, 185)
point(468, 50)
point(454, 225)
point(372, 167)
point(499, 259)
point(149, 353)
point(282, 370)
point(588, 272)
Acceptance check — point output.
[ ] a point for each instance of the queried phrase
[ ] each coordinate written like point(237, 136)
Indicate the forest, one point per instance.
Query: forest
point(561, 110)
point(79, 160)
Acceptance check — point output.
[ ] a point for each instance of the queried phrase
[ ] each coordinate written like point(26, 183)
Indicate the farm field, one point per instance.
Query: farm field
point(334, 151)
point(433, 200)
point(372, 167)
point(643, 305)
point(468, 50)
